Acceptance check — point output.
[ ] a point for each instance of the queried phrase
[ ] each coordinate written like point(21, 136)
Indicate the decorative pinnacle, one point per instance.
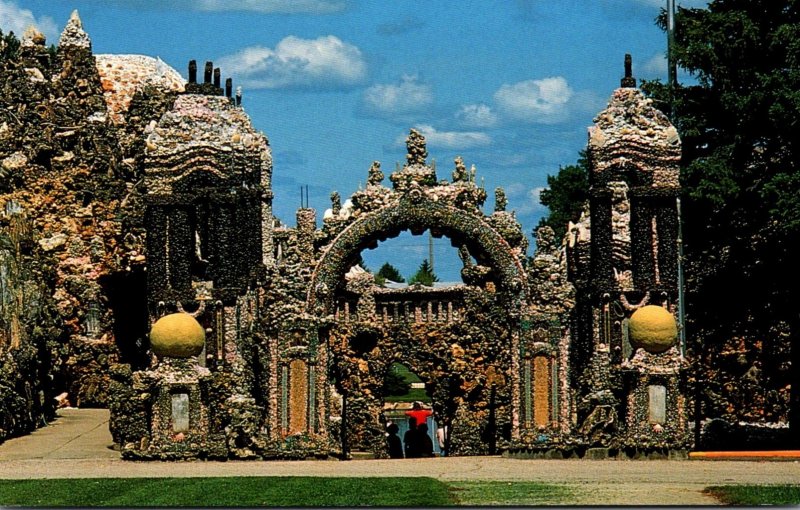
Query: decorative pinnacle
point(417, 150)
point(73, 34)
point(33, 37)
point(628, 80)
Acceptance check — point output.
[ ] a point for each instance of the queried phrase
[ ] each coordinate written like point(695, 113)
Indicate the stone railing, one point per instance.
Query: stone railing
point(442, 311)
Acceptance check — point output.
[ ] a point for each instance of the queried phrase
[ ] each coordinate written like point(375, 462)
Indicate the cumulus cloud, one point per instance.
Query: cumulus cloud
point(530, 202)
point(541, 101)
point(323, 63)
point(449, 139)
point(396, 98)
point(16, 19)
point(273, 6)
point(477, 115)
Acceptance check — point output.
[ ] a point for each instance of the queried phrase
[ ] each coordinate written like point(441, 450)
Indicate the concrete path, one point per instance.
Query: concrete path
point(77, 445)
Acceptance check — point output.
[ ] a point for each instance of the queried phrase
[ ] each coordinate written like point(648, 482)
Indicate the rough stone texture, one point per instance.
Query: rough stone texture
point(632, 136)
point(122, 76)
point(123, 173)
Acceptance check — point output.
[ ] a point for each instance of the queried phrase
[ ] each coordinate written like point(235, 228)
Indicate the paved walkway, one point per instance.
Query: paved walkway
point(78, 445)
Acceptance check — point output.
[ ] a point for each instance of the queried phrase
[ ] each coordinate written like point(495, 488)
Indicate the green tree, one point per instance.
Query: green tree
point(741, 178)
point(388, 272)
point(565, 195)
point(394, 383)
point(424, 275)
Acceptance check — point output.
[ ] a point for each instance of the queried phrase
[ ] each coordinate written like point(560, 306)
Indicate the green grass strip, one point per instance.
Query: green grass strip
point(493, 493)
point(752, 495)
point(227, 492)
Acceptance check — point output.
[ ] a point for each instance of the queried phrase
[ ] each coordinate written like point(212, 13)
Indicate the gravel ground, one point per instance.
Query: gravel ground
point(78, 445)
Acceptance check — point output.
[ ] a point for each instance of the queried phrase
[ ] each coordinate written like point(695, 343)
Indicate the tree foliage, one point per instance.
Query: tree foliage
point(565, 195)
point(389, 272)
point(9, 46)
point(424, 275)
point(395, 384)
point(740, 175)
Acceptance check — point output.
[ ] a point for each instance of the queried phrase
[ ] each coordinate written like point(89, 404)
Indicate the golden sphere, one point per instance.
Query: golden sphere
point(177, 335)
point(652, 328)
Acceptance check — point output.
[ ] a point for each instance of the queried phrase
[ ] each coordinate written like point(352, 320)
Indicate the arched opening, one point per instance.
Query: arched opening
point(407, 404)
point(458, 340)
point(481, 241)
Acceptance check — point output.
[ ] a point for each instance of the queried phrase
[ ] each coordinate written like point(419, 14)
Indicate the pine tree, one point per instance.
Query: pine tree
point(424, 275)
point(389, 272)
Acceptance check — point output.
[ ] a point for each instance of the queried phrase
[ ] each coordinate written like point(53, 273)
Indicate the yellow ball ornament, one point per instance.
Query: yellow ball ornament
point(652, 328)
point(177, 335)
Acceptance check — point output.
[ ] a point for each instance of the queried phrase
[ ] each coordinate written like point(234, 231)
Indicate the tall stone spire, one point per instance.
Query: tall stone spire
point(74, 35)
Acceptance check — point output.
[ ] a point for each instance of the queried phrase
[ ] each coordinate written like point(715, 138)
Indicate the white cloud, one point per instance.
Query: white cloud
point(541, 101)
point(389, 98)
point(449, 139)
point(530, 203)
point(326, 62)
point(477, 115)
point(15, 19)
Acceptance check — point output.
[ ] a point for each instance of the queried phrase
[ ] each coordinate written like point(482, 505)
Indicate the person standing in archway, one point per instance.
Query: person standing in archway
point(410, 439)
point(424, 441)
point(393, 441)
point(418, 413)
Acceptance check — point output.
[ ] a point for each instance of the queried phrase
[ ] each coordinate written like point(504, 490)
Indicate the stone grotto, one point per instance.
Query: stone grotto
point(143, 270)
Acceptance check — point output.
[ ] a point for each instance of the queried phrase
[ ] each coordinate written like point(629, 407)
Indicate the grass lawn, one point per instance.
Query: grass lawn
point(272, 492)
point(752, 495)
point(510, 493)
point(227, 492)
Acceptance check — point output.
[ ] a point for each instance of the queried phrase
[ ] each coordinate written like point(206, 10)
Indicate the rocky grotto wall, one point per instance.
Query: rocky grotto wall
point(70, 163)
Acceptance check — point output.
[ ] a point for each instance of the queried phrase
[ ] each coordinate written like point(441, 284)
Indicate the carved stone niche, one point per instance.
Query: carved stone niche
point(539, 381)
point(297, 377)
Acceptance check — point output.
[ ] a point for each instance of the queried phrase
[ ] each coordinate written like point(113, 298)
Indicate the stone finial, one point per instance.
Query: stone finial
point(336, 203)
point(32, 37)
point(193, 71)
point(500, 200)
point(417, 150)
point(74, 35)
point(375, 176)
point(628, 80)
point(229, 88)
point(239, 96)
point(460, 172)
point(217, 77)
point(209, 70)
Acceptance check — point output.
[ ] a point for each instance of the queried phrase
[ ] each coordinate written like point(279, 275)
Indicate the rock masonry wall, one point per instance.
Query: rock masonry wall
point(72, 172)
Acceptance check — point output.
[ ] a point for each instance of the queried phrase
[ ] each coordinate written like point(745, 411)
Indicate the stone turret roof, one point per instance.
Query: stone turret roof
point(122, 76)
point(631, 132)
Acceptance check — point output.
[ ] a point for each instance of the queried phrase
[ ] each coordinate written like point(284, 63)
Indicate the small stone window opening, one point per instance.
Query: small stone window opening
point(91, 322)
point(180, 412)
point(657, 403)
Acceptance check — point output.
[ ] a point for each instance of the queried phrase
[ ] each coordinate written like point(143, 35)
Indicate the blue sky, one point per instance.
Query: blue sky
point(511, 86)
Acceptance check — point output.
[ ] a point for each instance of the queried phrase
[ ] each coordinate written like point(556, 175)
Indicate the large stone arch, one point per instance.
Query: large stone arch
point(415, 212)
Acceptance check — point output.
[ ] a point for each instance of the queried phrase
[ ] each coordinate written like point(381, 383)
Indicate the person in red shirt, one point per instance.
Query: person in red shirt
point(420, 414)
